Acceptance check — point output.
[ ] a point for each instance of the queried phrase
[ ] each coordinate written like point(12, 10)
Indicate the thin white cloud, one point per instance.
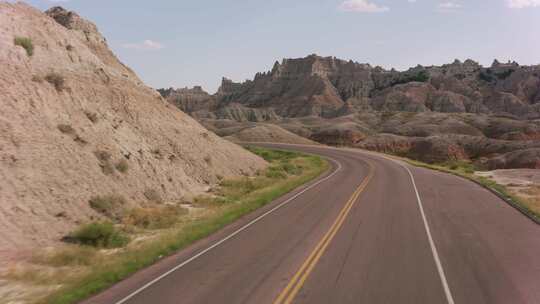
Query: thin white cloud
point(362, 6)
point(411, 1)
point(523, 3)
point(449, 7)
point(145, 45)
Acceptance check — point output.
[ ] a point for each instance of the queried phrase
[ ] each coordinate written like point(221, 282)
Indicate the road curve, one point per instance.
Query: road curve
point(372, 230)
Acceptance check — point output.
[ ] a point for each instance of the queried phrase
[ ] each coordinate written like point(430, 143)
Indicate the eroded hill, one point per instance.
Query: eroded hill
point(76, 123)
point(438, 113)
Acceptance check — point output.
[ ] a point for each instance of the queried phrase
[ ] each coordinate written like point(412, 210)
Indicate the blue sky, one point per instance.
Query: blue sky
point(184, 43)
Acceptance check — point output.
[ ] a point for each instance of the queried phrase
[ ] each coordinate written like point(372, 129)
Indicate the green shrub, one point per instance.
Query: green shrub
point(99, 234)
point(26, 43)
point(56, 80)
point(122, 166)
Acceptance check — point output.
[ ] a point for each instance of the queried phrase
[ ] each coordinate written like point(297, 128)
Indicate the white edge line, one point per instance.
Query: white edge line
point(440, 269)
point(447, 292)
point(431, 242)
point(136, 292)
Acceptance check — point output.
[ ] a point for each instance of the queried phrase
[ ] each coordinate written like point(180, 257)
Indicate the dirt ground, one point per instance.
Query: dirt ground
point(524, 183)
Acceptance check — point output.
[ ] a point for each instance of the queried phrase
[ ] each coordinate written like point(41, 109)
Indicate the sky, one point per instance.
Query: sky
point(179, 43)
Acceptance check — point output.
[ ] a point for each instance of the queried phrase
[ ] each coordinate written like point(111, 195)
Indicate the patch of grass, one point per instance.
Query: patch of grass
point(257, 192)
point(122, 166)
point(26, 43)
point(160, 217)
point(112, 206)
point(56, 80)
point(272, 155)
point(100, 235)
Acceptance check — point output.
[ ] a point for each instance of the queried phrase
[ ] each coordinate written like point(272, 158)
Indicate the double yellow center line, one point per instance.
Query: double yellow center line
point(296, 283)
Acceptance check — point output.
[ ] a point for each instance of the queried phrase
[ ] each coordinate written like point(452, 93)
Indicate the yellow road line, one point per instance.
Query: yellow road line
point(298, 280)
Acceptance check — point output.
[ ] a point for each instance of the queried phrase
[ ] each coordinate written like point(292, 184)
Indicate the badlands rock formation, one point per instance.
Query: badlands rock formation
point(77, 123)
point(438, 113)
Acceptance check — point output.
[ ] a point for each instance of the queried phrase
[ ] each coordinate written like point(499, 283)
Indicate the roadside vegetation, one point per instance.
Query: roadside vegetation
point(528, 202)
point(101, 253)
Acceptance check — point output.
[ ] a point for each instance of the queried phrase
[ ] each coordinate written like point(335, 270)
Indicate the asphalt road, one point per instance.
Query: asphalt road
point(370, 231)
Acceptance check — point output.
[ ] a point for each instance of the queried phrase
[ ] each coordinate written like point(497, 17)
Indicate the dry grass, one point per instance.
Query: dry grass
point(69, 255)
point(159, 217)
point(26, 43)
point(112, 206)
point(531, 196)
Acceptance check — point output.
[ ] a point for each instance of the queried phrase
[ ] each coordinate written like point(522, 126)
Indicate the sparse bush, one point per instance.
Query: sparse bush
point(91, 116)
point(111, 206)
point(122, 166)
point(26, 43)
point(154, 218)
point(208, 159)
point(67, 129)
point(56, 80)
point(69, 47)
point(99, 234)
point(153, 196)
